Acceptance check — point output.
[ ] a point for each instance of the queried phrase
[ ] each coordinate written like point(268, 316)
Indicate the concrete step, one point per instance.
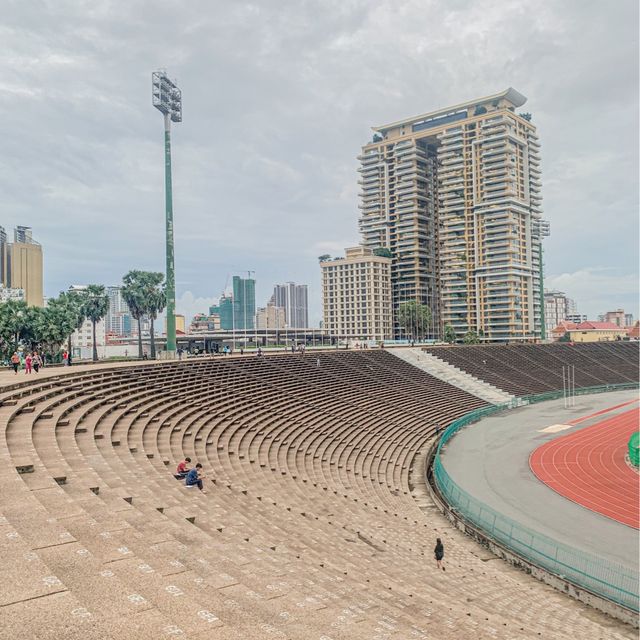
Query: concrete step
point(452, 375)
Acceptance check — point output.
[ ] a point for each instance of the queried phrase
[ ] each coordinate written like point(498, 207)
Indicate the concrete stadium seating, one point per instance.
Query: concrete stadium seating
point(308, 528)
point(522, 369)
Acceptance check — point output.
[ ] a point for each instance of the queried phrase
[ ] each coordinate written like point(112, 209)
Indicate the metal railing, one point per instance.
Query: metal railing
point(607, 579)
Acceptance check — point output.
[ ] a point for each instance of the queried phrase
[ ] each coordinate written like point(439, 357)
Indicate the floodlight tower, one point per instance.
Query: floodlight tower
point(167, 98)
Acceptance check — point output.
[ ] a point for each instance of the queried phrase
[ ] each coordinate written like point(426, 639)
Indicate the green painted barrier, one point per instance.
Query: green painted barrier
point(634, 449)
point(607, 579)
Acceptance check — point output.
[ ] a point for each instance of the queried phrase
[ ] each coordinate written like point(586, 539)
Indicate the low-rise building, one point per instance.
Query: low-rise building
point(82, 340)
point(356, 295)
point(10, 293)
point(618, 317)
point(557, 308)
point(271, 317)
point(180, 324)
point(589, 332)
point(203, 323)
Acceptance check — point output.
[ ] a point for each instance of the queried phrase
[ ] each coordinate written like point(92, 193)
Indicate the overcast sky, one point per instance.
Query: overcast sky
point(279, 96)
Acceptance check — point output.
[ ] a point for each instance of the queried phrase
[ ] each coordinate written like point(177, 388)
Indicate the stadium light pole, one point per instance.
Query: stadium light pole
point(167, 98)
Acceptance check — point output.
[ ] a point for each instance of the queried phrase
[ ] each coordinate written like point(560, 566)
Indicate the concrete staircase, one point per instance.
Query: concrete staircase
point(444, 371)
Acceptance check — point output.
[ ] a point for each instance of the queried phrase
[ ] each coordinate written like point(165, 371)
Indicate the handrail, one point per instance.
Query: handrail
point(607, 579)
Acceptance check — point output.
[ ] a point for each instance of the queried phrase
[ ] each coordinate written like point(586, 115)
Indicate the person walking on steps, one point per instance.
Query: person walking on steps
point(28, 361)
point(438, 552)
point(15, 362)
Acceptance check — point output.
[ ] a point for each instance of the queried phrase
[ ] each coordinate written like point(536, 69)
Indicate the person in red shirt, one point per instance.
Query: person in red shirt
point(183, 468)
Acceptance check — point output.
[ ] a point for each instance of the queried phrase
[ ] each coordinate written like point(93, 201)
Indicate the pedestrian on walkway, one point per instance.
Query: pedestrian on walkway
point(36, 362)
point(438, 552)
point(318, 363)
point(28, 361)
point(15, 362)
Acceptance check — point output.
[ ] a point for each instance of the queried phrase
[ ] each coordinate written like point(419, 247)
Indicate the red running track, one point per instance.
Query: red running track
point(588, 467)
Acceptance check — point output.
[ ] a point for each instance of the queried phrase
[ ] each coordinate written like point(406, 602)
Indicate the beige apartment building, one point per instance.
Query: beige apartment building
point(22, 265)
point(356, 296)
point(271, 317)
point(455, 196)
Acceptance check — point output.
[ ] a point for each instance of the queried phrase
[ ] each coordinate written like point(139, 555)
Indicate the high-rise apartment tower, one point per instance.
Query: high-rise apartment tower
point(455, 196)
point(23, 265)
point(293, 298)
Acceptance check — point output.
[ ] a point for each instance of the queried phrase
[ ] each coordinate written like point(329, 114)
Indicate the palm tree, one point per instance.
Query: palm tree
point(414, 318)
point(72, 311)
point(155, 300)
point(96, 305)
point(132, 292)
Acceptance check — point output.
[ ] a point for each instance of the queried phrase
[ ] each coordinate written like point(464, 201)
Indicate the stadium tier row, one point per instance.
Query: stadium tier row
point(527, 369)
point(308, 528)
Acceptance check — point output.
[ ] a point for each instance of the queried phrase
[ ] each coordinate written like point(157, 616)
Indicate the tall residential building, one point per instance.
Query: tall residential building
point(455, 196)
point(23, 265)
point(356, 295)
point(238, 310)
point(557, 307)
point(3, 256)
point(293, 298)
point(244, 303)
point(224, 310)
point(118, 321)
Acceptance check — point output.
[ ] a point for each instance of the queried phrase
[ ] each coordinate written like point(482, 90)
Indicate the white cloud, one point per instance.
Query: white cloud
point(188, 305)
point(598, 289)
point(278, 99)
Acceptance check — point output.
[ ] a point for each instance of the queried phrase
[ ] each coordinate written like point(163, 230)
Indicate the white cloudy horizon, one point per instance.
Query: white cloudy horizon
point(279, 97)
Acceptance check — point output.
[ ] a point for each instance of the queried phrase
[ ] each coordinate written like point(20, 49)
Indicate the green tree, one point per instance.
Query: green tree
point(324, 257)
point(64, 315)
point(50, 332)
point(145, 294)
point(155, 301)
point(95, 307)
point(471, 337)
point(14, 320)
point(414, 318)
point(72, 312)
point(132, 292)
point(449, 334)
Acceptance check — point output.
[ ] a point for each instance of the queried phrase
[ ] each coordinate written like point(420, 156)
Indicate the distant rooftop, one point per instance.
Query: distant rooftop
point(511, 95)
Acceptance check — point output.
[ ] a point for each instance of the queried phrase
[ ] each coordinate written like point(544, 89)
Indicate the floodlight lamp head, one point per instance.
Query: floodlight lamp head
point(165, 96)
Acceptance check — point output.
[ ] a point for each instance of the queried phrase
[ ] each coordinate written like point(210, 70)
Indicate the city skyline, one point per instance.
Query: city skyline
point(297, 160)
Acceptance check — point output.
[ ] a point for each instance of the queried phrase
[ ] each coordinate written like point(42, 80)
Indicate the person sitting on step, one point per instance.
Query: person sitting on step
point(183, 469)
point(195, 477)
